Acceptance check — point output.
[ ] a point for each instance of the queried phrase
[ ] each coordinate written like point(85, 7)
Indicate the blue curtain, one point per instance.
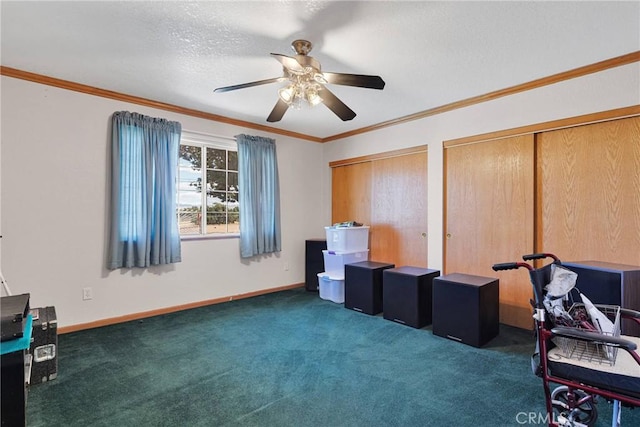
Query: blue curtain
point(144, 160)
point(259, 195)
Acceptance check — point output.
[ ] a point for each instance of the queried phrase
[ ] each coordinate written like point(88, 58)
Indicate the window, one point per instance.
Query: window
point(208, 177)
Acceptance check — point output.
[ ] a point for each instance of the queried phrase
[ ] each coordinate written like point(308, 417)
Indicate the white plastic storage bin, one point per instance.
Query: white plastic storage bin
point(331, 288)
point(334, 261)
point(346, 239)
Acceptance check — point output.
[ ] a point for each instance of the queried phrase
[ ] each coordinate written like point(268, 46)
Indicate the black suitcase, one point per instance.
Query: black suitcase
point(14, 310)
point(44, 345)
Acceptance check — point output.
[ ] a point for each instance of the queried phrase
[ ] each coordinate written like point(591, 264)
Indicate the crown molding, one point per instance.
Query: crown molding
point(91, 90)
point(545, 81)
point(585, 119)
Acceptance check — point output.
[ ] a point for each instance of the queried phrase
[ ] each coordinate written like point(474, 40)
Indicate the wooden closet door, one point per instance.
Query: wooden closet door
point(399, 210)
point(489, 208)
point(351, 193)
point(588, 180)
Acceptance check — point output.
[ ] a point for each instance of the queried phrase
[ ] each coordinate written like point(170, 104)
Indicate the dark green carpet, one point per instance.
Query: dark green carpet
point(287, 359)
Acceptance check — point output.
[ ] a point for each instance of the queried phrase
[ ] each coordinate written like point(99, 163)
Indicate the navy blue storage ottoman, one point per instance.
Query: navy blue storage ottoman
point(406, 295)
point(466, 308)
point(363, 286)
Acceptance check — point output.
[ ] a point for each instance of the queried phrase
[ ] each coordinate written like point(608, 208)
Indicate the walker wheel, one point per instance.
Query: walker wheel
point(586, 413)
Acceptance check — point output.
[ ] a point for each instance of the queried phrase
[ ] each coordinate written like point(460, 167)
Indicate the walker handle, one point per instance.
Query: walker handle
point(511, 266)
point(540, 255)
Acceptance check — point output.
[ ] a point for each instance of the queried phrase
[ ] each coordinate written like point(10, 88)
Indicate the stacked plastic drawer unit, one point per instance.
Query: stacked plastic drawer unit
point(345, 245)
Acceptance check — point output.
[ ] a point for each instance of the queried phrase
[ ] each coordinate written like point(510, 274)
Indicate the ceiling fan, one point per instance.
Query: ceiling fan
point(307, 84)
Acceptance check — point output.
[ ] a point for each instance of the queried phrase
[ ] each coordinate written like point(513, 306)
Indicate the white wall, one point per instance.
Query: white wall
point(55, 197)
point(614, 88)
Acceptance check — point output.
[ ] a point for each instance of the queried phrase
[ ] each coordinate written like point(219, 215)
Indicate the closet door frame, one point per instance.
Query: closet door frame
point(588, 184)
point(620, 113)
point(385, 231)
point(489, 216)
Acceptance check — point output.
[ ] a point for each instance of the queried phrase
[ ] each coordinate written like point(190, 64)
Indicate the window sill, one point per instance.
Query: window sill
point(209, 236)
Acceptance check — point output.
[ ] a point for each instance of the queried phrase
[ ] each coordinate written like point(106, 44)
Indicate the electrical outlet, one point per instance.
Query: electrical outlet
point(87, 294)
point(286, 266)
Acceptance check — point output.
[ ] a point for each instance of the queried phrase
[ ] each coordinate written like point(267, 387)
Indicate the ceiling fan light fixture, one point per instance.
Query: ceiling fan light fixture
point(313, 97)
point(287, 94)
point(301, 91)
point(298, 102)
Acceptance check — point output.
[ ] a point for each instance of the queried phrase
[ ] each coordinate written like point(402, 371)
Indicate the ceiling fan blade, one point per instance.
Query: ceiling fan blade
point(289, 62)
point(278, 111)
point(359, 80)
point(334, 104)
point(250, 84)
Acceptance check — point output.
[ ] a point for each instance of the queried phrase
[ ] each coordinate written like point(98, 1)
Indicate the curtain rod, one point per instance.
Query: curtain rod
point(210, 135)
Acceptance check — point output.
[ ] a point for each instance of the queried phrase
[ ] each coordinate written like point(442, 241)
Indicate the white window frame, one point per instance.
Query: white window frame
point(204, 141)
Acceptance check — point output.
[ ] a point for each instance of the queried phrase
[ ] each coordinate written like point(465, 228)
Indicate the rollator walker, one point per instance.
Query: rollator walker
point(579, 347)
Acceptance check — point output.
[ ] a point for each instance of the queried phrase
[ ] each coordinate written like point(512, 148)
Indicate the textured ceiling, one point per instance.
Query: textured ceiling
point(428, 53)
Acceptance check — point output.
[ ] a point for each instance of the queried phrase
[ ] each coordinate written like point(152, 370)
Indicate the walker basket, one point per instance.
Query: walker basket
point(585, 350)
